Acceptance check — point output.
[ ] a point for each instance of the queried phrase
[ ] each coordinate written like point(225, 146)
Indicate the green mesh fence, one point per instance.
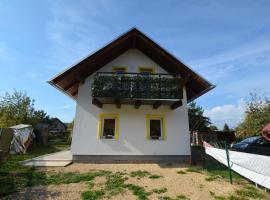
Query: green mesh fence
point(135, 85)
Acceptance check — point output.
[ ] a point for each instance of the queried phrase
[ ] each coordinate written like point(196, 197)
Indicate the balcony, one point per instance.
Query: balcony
point(137, 89)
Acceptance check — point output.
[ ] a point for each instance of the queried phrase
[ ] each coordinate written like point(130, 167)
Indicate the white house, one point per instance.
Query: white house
point(131, 100)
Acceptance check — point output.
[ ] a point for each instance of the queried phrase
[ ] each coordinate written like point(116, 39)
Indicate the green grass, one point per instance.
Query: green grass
point(160, 190)
point(179, 197)
point(233, 197)
point(194, 170)
point(66, 178)
point(138, 191)
point(219, 198)
point(93, 195)
point(165, 198)
point(10, 184)
point(250, 192)
point(247, 192)
point(115, 184)
point(12, 163)
point(154, 176)
point(181, 172)
point(139, 174)
point(216, 170)
point(14, 176)
point(212, 193)
point(213, 178)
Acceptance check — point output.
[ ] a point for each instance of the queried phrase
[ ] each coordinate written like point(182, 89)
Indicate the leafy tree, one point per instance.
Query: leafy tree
point(213, 128)
point(18, 108)
point(70, 129)
point(257, 115)
point(226, 128)
point(40, 116)
point(71, 125)
point(196, 119)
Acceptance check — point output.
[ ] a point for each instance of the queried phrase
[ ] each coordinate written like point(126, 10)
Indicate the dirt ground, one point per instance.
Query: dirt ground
point(59, 192)
point(193, 185)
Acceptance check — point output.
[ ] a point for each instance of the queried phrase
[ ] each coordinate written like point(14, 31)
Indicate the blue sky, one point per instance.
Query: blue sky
point(228, 42)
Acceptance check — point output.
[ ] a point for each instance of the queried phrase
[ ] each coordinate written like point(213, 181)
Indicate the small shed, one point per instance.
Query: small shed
point(57, 127)
point(197, 137)
point(22, 137)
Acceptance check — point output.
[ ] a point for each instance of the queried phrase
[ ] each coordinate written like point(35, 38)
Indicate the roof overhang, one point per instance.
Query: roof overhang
point(69, 80)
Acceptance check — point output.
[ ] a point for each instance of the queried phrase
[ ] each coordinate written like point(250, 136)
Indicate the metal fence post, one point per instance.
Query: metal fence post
point(228, 161)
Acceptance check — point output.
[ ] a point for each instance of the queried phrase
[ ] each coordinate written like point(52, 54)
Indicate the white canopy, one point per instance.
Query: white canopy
point(22, 133)
point(20, 126)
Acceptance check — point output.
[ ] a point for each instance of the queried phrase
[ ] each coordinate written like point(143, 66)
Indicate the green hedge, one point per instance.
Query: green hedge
point(126, 86)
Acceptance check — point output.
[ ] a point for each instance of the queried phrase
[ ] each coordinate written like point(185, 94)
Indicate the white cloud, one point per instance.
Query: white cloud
point(231, 114)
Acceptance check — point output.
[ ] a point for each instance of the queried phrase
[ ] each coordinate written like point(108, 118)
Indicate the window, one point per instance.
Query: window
point(261, 142)
point(156, 129)
point(108, 126)
point(119, 69)
point(108, 131)
point(145, 71)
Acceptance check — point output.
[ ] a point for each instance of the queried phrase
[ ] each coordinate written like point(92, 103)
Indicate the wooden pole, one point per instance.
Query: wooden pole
point(228, 161)
point(45, 135)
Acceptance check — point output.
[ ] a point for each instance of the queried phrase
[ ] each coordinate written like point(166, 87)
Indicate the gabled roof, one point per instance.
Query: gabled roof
point(58, 120)
point(69, 80)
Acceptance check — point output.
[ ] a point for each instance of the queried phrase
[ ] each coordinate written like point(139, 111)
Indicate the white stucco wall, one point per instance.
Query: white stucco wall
point(132, 122)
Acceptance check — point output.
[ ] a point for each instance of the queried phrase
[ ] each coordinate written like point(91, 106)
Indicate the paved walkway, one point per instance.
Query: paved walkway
point(59, 159)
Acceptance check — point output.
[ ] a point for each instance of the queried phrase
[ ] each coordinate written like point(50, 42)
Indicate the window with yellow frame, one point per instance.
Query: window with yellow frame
point(155, 127)
point(108, 126)
point(146, 70)
point(119, 69)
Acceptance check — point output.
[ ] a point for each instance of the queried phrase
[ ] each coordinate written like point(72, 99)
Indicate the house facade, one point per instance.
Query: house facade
point(131, 100)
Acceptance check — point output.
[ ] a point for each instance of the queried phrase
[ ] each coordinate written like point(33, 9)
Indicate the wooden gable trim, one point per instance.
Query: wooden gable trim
point(195, 84)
